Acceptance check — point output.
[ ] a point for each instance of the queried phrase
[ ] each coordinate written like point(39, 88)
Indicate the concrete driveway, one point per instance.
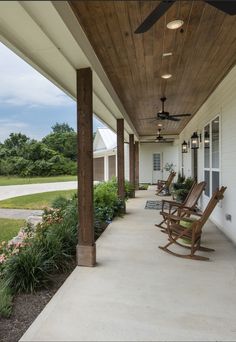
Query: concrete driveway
point(11, 191)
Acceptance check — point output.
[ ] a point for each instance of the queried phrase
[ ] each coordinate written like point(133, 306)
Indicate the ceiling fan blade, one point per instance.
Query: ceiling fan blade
point(228, 7)
point(173, 119)
point(177, 115)
point(154, 16)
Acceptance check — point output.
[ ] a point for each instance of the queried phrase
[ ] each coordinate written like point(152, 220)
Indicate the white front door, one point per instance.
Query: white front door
point(157, 172)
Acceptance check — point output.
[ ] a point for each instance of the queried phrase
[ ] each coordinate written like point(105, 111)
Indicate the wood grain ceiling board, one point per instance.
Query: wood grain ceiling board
point(202, 55)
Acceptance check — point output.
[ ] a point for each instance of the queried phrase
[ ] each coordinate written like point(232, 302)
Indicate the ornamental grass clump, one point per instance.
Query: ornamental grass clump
point(5, 300)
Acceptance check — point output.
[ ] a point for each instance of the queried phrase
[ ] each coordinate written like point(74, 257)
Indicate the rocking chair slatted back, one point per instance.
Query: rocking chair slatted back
point(170, 179)
point(194, 195)
point(215, 198)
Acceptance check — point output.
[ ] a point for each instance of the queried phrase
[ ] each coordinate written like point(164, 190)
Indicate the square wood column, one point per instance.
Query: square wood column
point(132, 164)
point(121, 160)
point(136, 152)
point(86, 248)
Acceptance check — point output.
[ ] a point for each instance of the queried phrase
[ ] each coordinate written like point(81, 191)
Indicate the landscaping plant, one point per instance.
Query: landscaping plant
point(181, 187)
point(28, 265)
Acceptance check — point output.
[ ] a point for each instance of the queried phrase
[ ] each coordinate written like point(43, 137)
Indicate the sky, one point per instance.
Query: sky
point(29, 103)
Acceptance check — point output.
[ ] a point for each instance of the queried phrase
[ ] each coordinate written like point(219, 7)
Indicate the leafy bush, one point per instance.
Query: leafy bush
point(181, 188)
point(143, 186)
point(106, 201)
point(60, 202)
point(28, 265)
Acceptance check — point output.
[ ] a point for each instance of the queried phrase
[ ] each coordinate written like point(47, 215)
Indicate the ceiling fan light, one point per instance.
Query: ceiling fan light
point(166, 54)
point(175, 24)
point(166, 76)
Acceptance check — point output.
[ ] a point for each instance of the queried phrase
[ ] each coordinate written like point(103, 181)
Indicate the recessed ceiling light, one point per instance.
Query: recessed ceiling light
point(159, 125)
point(175, 24)
point(166, 76)
point(166, 54)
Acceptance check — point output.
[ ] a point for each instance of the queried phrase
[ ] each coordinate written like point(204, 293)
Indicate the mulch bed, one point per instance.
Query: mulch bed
point(26, 307)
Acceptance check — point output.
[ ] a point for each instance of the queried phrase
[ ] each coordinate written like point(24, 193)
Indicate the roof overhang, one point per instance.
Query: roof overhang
point(47, 35)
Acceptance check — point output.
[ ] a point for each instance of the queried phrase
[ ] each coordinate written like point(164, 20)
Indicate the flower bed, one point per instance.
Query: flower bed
point(29, 262)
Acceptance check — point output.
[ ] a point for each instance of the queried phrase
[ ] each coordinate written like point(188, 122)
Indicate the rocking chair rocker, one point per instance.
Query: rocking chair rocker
point(181, 209)
point(193, 234)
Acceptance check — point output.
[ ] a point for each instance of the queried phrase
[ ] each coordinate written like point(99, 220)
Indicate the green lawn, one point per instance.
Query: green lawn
point(35, 201)
point(35, 180)
point(9, 228)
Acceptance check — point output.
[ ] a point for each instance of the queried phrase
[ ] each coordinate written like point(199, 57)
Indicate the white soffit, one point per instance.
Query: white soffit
point(48, 36)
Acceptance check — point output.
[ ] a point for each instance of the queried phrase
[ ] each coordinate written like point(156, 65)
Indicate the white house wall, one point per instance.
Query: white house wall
point(170, 155)
point(106, 154)
point(222, 102)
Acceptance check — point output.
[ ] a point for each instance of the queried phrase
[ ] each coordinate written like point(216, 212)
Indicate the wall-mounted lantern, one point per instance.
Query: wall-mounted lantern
point(195, 141)
point(207, 139)
point(184, 147)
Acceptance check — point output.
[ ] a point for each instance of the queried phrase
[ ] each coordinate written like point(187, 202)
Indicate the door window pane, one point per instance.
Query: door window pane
point(215, 144)
point(156, 162)
point(215, 180)
point(207, 180)
point(207, 147)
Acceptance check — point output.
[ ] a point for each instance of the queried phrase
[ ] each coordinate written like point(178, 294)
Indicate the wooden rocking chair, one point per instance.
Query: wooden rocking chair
point(193, 233)
point(181, 209)
point(163, 186)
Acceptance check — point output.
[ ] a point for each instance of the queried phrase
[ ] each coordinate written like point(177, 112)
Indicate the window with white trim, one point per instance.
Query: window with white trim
point(156, 162)
point(212, 156)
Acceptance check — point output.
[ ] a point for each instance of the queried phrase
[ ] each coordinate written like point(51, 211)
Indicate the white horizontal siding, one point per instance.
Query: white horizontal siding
point(223, 102)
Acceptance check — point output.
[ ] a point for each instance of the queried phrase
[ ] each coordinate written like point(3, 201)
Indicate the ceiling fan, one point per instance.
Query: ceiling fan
point(163, 115)
point(228, 7)
point(160, 139)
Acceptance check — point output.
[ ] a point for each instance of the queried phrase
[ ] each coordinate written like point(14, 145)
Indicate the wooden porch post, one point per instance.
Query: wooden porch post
point(136, 149)
point(121, 160)
point(86, 248)
point(132, 163)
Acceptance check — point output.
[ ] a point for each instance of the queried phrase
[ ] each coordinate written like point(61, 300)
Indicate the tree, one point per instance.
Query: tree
point(54, 155)
point(16, 144)
point(64, 143)
point(62, 128)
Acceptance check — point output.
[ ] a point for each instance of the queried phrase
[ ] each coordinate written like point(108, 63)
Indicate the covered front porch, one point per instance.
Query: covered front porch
point(140, 293)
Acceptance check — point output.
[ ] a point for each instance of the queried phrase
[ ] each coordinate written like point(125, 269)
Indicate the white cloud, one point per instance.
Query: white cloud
point(21, 85)
point(10, 126)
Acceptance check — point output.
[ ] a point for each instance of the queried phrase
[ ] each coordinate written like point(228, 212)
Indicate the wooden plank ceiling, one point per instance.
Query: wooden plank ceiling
point(202, 55)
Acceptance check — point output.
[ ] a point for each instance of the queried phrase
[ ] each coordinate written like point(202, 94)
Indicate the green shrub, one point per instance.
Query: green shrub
point(143, 186)
point(106, 201)
point(52, 246)
point(181, 188)
point(5, 300)
point(60, 202)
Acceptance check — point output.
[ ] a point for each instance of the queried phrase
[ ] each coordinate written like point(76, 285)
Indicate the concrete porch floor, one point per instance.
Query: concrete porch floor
point(139, 293)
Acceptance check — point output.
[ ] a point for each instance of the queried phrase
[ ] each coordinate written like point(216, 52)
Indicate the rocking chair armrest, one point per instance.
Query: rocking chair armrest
point(192, 211)
point(172, 217)
point(161, 181)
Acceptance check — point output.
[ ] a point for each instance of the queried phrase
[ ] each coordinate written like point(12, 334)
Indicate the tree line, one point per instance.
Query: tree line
point(55, 154)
